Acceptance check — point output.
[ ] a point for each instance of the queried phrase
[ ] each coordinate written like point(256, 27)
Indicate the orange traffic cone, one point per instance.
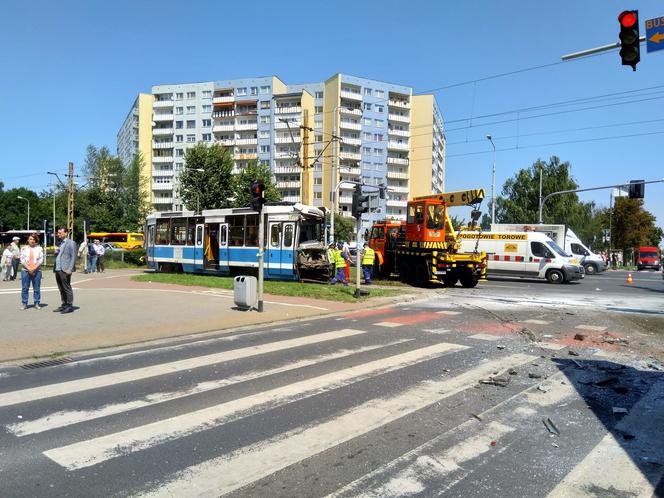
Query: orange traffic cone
point(630, 280)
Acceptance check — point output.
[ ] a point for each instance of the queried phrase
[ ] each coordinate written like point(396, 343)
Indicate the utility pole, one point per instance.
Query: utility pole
point(493, 182)
point(333, 178)
point(70, 200)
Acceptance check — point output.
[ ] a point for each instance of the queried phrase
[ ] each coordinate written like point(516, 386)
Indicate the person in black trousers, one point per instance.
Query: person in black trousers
point(65, 262)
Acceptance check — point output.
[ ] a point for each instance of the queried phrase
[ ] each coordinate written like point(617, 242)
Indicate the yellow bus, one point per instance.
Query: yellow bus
point(125, 240)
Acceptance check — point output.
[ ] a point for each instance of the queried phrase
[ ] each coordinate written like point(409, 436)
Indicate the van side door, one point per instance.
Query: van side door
point(539, 256)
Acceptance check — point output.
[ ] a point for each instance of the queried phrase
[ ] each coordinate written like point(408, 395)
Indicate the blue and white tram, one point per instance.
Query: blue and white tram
point(225, 242)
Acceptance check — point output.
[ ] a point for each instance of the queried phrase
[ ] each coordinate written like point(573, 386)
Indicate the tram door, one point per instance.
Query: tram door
point(273, 259)
point(223, 246)
point(198, 246)
point(288, 249)
point(150, 246)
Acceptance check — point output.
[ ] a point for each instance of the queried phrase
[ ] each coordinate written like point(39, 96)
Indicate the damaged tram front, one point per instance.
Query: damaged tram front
point(225, 242)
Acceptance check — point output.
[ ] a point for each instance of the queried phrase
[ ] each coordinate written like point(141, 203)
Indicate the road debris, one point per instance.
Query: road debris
point(578, 365)
point(476, 416)
point(571, 352)
point(655, 365)
point(580, 337)
point(555, 445)
point(550, 426)
point(619, 410)
point(500, 346)
point(512, 371)
point(496, 381)
point(544, 387)
point(534, 375)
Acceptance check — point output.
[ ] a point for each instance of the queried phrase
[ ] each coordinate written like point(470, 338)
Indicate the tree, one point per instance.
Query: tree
point(242, 184)
point(633, 226)
point(344, 227)
point(206, 181)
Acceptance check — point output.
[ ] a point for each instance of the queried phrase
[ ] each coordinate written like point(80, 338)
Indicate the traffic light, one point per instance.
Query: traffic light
point(636, 189)
point(630, 49)
point(360, 203)
point(257, 201)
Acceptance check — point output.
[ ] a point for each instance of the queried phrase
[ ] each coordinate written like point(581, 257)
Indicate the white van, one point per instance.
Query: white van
point(565, 238)
point(523, 254)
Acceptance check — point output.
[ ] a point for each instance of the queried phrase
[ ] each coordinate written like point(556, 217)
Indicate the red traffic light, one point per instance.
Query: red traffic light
point(627, 19)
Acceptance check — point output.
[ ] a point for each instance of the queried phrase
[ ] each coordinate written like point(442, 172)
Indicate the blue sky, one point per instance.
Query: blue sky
point(72, 69)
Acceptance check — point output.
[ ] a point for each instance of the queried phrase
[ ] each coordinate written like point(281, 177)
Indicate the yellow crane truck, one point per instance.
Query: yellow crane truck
point(425, 248)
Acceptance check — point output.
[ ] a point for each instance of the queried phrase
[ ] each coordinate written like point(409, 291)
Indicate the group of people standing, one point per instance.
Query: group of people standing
point(93, 252)
point(339, 256)
point(31, 258)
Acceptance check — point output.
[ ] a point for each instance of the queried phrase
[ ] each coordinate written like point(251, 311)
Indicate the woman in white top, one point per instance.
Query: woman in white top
point(6, 263)
point(32, 257)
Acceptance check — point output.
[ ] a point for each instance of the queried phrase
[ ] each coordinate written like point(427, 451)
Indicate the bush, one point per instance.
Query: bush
point(135, 257)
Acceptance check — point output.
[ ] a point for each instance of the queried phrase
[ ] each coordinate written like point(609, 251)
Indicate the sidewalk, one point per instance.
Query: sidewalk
point(115, 310)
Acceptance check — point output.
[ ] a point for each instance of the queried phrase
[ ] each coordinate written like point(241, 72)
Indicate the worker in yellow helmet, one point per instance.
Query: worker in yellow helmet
point(368, 258)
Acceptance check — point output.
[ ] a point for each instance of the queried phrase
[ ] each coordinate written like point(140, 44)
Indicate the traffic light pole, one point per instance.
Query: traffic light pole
point(544, 199)
point(358, 266)
point(596, 50)
point(261, 243)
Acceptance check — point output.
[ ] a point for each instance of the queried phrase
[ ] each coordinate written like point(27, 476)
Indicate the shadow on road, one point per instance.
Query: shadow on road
point(629, 403)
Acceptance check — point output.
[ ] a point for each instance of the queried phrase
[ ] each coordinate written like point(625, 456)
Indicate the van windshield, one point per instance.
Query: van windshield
point(556, 248)
point(648, 254)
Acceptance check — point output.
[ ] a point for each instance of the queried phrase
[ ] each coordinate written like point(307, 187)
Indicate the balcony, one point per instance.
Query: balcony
point(351, 141)
point(223, 114)
point(397, 160)
point(246, 126)
point(288, 110)
point(291, 198)
point(399, 133)
point(398, 190)
point(162, 117)
point(222, 128)
point(161, 201)
point(345, 199)
point(227, 142)
point(396, 203)
point(398, 175)
point(288, 140)
point(346, 170)
point(403, 104)
point(398, 146)
point(347, 125)
point(292, 124)
point(347, 186)
point(245, 157)
point(224, 99)
point(162, 104)
point(246, 141)
point(399, 118)
point(291, 184)
point(287, 170)
point(350, 95)
point(353, 112)
point(162, 145)
point(285, 155)
point(350, 156)
point(162, 186)
point(162, 159)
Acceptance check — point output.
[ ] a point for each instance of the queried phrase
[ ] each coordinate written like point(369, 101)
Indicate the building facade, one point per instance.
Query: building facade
point(313, 136)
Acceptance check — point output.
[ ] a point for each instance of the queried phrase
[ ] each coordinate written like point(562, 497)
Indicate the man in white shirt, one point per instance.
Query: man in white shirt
point(100, 250)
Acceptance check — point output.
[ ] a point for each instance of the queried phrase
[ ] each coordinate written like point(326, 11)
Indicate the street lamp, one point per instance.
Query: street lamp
point(28, 201)
point(493, 182)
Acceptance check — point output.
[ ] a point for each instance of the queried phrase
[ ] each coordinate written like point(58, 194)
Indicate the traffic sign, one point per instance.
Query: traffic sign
point(655, 34)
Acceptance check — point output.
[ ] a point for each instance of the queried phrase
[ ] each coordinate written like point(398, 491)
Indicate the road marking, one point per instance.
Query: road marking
point(536, 322)
point(623, 468)
point(388, 324)
point(86, 384)
point(594, 328)
point(448, 312)
point(229, 472)
point(485, 337)
point(70, 417)
point(93, 451)
point(421, 466)
point(437, 331)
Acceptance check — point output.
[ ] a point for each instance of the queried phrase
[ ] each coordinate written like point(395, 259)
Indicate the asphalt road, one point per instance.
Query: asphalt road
point(446, 396)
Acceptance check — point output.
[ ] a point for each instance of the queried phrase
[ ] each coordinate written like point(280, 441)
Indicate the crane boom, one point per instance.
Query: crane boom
point(460, 198)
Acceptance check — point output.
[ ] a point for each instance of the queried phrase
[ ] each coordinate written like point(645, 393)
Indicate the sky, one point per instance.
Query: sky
point(71, 70)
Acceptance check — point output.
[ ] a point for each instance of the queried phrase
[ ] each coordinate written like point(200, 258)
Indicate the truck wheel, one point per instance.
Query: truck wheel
point(404, 272)
point(555, 277)
point(450, 280)
point(421, 274)
point(590, 269)
point(468, 281)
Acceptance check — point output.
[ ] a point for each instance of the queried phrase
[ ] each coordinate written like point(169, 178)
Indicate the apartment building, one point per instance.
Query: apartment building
point(312, 136)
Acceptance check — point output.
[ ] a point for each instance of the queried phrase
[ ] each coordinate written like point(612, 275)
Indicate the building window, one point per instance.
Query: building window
point(366, 151)
point(191, 109)
point(207, 123)
point(254, 90)
point(378, 152)
point(179, 110)
point(379, 108)
point(240, 91)
point(265, 90)
point(178, 125)
point(178, 138)
point(179, 152)
point(366, 135)
point(207, 108)
point(319, 95)
point(207, 94)
point(191, 124)
point(265, 119)
point(318, 123)
point(191, 139)
point(318, 181)
point(367, 91)
point(264, 134)
point(367, 121)
point(191, 95)
point(367, 106)
point(379, 123)
point(318, 195)
point(207, 137)
point(380, 93)
point(265, 149)
point(179, 96)
point(378, 137)
point(265, 104)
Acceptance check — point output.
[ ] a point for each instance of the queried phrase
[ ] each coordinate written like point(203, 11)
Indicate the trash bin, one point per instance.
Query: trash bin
point(244, 291)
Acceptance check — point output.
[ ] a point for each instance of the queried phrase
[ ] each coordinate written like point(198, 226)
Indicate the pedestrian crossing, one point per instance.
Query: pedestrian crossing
point(313, 395)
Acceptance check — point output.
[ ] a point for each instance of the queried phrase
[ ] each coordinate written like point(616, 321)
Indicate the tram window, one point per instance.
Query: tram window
point(151, 235)
point(252, 231)
point(191, 231)
point(288, 236)
point(275, 235)
point(199, 236)
point(237, 230)
point(162, 232)
point(223, 235)
point(178, 231)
